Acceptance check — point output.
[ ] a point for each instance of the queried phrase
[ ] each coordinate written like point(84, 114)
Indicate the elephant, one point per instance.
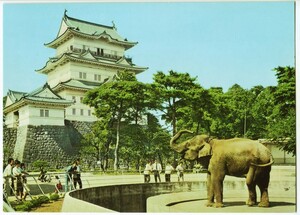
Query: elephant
point(238, 157)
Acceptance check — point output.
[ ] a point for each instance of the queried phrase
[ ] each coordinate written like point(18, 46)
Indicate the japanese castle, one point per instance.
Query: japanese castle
point(87, 55)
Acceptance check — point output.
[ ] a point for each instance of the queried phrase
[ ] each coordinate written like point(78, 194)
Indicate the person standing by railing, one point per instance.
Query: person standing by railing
point(17, 174)
point(69, 177)
point(168, 171)
point(8, 177)
point(77, 175)
point(180, 170)
point(147, 171)
point(26, 189)
point(156, 168)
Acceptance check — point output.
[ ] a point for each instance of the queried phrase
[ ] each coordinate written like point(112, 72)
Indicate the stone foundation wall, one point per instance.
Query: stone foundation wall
point(9, 142)
point(58, 145)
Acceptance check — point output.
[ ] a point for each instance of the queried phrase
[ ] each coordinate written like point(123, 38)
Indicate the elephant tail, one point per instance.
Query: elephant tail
point(264, 165)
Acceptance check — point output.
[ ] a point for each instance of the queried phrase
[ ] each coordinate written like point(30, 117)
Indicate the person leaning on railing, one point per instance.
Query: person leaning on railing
point(8, 177)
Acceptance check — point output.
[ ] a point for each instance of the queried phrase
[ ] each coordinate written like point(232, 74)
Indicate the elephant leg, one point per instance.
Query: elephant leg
point(263, 183)
point(210, 191)
point(250, 181)
point(217, 184)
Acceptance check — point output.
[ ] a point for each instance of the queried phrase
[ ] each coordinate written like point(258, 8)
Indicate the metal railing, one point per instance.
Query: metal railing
point(35, 186)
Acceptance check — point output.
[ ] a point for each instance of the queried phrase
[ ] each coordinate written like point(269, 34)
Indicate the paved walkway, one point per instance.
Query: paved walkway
point(282, 190)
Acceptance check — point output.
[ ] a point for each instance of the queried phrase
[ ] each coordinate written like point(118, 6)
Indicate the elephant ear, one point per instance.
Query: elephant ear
point(205, 150)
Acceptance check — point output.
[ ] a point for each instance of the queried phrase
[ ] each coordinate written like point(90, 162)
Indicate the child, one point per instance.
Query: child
point(58, 186)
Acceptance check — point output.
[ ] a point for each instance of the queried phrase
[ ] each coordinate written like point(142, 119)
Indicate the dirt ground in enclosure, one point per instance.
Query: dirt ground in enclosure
point(50, 207)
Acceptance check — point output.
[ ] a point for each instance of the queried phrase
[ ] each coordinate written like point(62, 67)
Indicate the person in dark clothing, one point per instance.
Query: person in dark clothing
point(77, 175)
point(69, 177)
point(42, 175)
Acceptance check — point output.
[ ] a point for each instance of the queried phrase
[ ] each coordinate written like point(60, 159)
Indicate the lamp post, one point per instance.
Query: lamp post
point(245, 122)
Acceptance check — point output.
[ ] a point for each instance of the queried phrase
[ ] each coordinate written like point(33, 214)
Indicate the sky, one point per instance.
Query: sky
point(220, 43)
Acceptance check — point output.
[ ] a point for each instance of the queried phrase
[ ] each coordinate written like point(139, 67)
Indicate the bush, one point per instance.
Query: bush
point(43, 199)
point(35, 202)
point(21, 208)
point(54, 197)
point(29, 204)
point(40, 164)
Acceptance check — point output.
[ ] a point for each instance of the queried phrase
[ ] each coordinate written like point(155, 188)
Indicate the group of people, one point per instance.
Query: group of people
point(15, 179)
point(156, 168)
point(73, 176)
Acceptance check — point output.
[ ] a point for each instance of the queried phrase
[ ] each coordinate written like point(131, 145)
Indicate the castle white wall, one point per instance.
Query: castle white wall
point(10, 120)
point(78, 111)
point(62, 74)
point(31, 115)
point(90, 72)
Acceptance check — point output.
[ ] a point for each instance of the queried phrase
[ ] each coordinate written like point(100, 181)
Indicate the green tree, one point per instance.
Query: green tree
point(282, 124)
point(144, 142)
point(240, 102)
point(171, 90)
point(40, 164)
point(95, 144)
point(219, 126)
point(261, 111)
point(117, 99)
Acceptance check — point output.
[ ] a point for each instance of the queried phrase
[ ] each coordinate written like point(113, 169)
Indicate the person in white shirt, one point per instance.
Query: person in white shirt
point(156, 168)
point(17, 174)
point(7, 176)
point(147, 171)
point(179, 170)
point(168, 171)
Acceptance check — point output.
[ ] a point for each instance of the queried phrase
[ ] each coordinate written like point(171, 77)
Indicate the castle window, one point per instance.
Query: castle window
point(74, 111)
point(89, 112)
point(74, 98)
point(44, 113)
point(81, 112)
point(71, 48)
point(81, 99)
point(82, 75)
point(97, 77)
point(99, 51)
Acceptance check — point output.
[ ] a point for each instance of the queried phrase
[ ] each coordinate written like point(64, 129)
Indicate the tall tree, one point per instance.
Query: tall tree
point(220, 112)
point(261, 111)
point(116, 99)
point(141, 143)
point(95, 144)
point(282, 126)
point(172, 90)
point(239, 101)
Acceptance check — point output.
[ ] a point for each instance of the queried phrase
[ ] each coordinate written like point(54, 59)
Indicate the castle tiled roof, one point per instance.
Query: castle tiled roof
point(15, 95)
point(42, 96)
point(86, 56)
point(76, 27)
point(76, 85)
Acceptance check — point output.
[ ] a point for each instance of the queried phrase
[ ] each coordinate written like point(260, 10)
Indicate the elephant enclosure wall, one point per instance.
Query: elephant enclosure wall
point(131, 197)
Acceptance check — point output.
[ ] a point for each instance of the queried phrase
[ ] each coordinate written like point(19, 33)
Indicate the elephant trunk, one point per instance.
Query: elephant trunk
point(180, 147)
